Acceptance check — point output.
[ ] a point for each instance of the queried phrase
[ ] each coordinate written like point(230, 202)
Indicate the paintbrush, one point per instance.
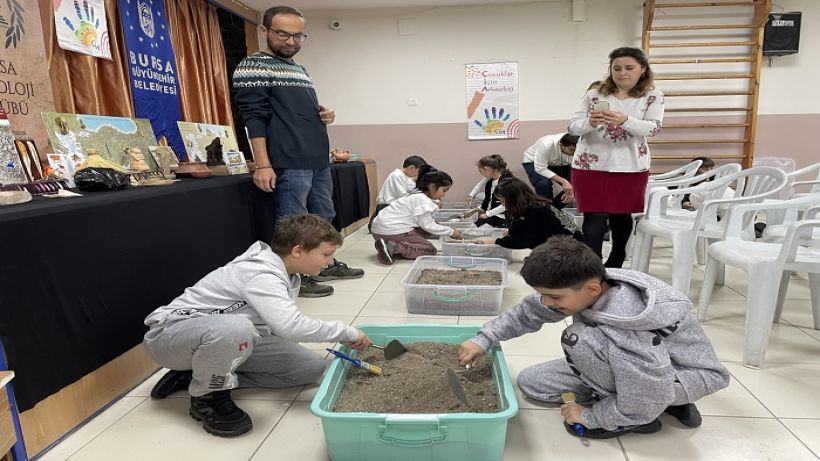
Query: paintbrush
point(569, 397)
point(358, 363)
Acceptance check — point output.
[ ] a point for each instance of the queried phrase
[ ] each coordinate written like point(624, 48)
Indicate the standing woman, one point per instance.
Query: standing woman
point(611, 162)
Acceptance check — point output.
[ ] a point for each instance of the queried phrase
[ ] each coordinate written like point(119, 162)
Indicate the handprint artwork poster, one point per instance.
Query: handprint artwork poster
point(81, 27)
point(492, 100)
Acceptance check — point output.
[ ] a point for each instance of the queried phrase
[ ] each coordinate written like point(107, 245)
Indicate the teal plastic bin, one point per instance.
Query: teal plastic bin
point(415, 437)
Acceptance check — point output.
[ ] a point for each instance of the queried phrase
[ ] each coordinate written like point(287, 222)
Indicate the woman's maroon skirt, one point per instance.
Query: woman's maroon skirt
point(605, 192)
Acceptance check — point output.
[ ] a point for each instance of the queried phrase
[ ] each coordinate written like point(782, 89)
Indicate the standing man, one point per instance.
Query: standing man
point(549, 160)
point(287, 128)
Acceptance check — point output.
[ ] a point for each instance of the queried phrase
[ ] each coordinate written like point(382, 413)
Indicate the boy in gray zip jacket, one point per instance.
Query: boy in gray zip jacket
point(633, 350)
point(239, 326)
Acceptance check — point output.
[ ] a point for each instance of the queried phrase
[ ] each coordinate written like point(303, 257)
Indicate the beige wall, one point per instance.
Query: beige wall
point(446, 146)
point(367, 72)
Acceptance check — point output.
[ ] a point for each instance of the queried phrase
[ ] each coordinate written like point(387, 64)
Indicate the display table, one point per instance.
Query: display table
point(80, 275)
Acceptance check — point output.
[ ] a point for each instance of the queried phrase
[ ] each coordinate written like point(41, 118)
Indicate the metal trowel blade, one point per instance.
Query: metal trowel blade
point(394, 349)
point(456, 386)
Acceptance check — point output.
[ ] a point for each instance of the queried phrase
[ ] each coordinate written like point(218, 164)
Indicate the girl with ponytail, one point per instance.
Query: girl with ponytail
point(493, 168)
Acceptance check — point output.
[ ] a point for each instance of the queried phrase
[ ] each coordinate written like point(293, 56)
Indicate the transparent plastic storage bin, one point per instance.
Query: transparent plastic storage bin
point(454, 299)
point(454, 206)
point(453, 218)
point(453, 247)
point(577, 215)
point(415, 437)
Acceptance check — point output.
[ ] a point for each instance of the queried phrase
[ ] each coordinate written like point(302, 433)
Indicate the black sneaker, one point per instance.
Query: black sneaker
point(338, 270)
point(311, 289)
point(384, 251)
point(688, 414)
point(647, 428)
point(219, 415)
point(174, 380)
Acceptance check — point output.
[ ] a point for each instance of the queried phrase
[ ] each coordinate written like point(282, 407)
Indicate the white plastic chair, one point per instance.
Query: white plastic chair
point(752, 185)
point(777, 216)
point(686, 171)
point(673, 203)
point(662, 180)
point(776, 233)
point(815, 183)
point(767, 266)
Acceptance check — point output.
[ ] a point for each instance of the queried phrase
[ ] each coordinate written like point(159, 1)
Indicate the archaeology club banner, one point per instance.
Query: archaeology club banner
point(152, 67)
point(25, 89)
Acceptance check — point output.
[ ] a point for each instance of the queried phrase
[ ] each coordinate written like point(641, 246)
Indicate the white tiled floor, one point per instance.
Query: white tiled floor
point(768, 414)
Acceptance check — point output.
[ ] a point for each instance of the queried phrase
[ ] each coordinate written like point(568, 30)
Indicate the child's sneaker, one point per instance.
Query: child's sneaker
point(647, 428)
point(385, 250)
point(338, 270)
point(220, 415)
point(688, 414)
point(310, 289)
point(174, 380)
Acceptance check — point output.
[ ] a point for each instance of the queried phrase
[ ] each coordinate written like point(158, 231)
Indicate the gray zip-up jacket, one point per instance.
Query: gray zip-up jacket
point(255, 285)
point(652, 341)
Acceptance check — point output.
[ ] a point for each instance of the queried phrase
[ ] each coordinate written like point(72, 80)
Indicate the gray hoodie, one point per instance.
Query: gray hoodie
point(652, 341)
point(255, 285)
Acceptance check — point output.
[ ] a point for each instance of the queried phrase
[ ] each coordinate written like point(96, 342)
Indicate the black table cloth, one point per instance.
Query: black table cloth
point(351, 199)
point(78, 276)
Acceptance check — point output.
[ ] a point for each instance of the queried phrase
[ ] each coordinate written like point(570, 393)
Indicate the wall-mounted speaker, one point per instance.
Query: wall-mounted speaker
point(781, 35)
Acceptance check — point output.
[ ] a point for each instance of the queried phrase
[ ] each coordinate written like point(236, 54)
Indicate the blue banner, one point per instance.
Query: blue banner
point(152, 67)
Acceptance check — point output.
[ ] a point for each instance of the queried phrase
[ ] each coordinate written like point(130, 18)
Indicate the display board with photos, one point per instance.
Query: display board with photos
point(200, 139)
point(72, 135)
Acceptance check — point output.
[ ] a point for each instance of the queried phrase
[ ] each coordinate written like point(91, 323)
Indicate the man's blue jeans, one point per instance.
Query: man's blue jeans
point(541, 184)
point(304, 191)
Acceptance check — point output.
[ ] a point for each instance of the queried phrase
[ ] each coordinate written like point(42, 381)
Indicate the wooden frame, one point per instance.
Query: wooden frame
point(753, 56)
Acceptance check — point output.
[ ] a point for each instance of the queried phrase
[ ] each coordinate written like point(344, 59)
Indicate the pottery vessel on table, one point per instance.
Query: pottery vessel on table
point(339, 155)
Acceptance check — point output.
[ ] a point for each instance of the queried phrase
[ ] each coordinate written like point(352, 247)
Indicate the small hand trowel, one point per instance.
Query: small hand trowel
point(457, 388)
point(392, 350)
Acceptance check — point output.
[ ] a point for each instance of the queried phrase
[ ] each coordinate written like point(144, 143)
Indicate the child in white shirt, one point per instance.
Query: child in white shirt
point(399, 228)
point(493, 168)
point(400, 183)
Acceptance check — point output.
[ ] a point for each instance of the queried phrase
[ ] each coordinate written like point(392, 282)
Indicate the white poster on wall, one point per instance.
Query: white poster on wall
point(492, 100)
point(81, 27)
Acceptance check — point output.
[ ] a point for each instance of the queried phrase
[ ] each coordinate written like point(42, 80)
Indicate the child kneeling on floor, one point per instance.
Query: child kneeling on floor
point(531, 219)
point(400, 183)
point(633, 350)
point(239, 326)
point(401, 229)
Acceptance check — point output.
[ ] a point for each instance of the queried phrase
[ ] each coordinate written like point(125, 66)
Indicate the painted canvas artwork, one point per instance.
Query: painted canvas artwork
point(72, 134)
point(11, 167)
point(201, 138)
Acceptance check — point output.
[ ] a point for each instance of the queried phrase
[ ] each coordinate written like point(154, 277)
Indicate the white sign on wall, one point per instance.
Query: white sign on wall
point(492, 100)
point(81, 27)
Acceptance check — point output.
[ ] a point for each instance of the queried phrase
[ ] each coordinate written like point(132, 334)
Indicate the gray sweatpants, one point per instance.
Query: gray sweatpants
point(594, 379)
point(227, 352)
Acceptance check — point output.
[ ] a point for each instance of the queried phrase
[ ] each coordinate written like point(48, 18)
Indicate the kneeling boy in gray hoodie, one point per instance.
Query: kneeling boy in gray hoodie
point(239, 326)
point(633, 350)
